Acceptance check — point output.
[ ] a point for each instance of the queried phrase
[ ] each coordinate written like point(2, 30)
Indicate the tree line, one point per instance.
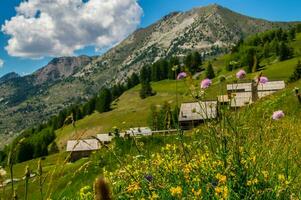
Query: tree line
point(40, 140)
point(168, 68)
point(270, 44)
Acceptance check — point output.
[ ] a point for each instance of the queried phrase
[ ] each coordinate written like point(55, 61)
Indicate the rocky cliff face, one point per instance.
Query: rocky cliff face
point(210, 30)
point(60, 68)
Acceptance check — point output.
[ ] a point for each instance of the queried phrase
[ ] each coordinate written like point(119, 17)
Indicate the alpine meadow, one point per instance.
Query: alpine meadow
point(100, 100)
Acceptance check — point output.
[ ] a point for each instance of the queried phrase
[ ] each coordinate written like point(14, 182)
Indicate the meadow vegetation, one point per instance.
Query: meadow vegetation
point(244, 154)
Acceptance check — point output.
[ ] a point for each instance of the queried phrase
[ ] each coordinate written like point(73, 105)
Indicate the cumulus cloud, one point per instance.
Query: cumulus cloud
point(1, 63)
point(60, 27)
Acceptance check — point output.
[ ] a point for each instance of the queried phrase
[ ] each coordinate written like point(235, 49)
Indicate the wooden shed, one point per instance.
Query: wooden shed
point(241, 99)
point(192, 114)
point(242, 94)
point(239, 87)
point(82, 148)
point(105, 138)
point(139, 131)
point(269, 88)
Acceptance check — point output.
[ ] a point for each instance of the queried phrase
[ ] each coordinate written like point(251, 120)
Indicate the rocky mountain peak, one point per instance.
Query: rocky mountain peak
point(60, 68)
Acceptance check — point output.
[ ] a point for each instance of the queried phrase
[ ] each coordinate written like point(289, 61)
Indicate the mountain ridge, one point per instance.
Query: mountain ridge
point(211, 30)
point(8, 76)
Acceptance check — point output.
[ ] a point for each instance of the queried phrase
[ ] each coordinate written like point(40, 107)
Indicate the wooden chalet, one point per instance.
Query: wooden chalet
point(105, 138)
point(269, 88)
point(192, 114)
point(139, 131)
point(81, 148)
point(242, 94)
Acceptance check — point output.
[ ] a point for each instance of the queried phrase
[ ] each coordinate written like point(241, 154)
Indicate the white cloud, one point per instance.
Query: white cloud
point(1, 63)
point(60, 27)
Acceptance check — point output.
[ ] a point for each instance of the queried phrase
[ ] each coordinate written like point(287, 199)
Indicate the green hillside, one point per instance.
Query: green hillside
point(239, 135)
point(130, 111)
point(66, 179)
point(127, 111)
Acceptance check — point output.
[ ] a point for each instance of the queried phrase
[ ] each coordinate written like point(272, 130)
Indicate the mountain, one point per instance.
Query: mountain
point(9, 76)
point(60, 68)
point(211, 30)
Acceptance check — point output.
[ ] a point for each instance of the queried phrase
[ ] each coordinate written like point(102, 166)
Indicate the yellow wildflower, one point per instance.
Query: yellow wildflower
point(176, 191)
point(221, 178)
point(222, 192)
point(252, 182)
point(281, 177)
point(197, 193)
point(154, 196)
point(253, 159)
point(225, 192)
point(133, 187)
point(218, 190)
point(265, 174)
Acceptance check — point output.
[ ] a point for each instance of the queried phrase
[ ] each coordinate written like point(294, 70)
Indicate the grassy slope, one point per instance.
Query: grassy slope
point(128, 111)
point(133, 111)
point(69, 178)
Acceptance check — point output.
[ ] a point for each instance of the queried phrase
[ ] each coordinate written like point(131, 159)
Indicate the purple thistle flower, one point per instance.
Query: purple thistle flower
point(263, 80)
point(149, 177)
point(278, 115)
point(206, 83)
point(241, 74)
point(181, 75)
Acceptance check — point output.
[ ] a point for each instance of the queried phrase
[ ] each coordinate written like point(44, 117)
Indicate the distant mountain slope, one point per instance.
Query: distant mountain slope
point(60, 68)
point(211, 30)
point(8, 77)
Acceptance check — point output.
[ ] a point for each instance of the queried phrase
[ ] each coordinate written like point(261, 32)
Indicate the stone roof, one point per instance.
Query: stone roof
point(239, 87)
point(83, 145)
point(104, 137)
point(139, 131)
point(198, 111)
point(271, 86)
point(241, 99)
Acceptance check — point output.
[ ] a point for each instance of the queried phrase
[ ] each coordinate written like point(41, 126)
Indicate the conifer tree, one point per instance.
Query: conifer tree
point(284, 51)
point(163, 66)
point(266, 50)
point(155, 72)
point(172, 70)
point(210, 71)
point(298, 28)
point(135, 79)
point(193, 61)
point(297, 73)
point(104, 100)
point(146, 89)
point(292, 34)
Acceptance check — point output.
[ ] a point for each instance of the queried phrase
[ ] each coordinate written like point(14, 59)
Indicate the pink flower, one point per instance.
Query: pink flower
point(263, 80)
point(241, 74)
point(181, 75)
point(206, 83)
point(278, 115)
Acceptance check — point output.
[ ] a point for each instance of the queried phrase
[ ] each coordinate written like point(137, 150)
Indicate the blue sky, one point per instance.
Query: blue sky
point(275, 10)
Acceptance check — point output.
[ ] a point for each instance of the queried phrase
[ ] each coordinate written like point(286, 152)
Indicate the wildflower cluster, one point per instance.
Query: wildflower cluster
point(167, 175)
